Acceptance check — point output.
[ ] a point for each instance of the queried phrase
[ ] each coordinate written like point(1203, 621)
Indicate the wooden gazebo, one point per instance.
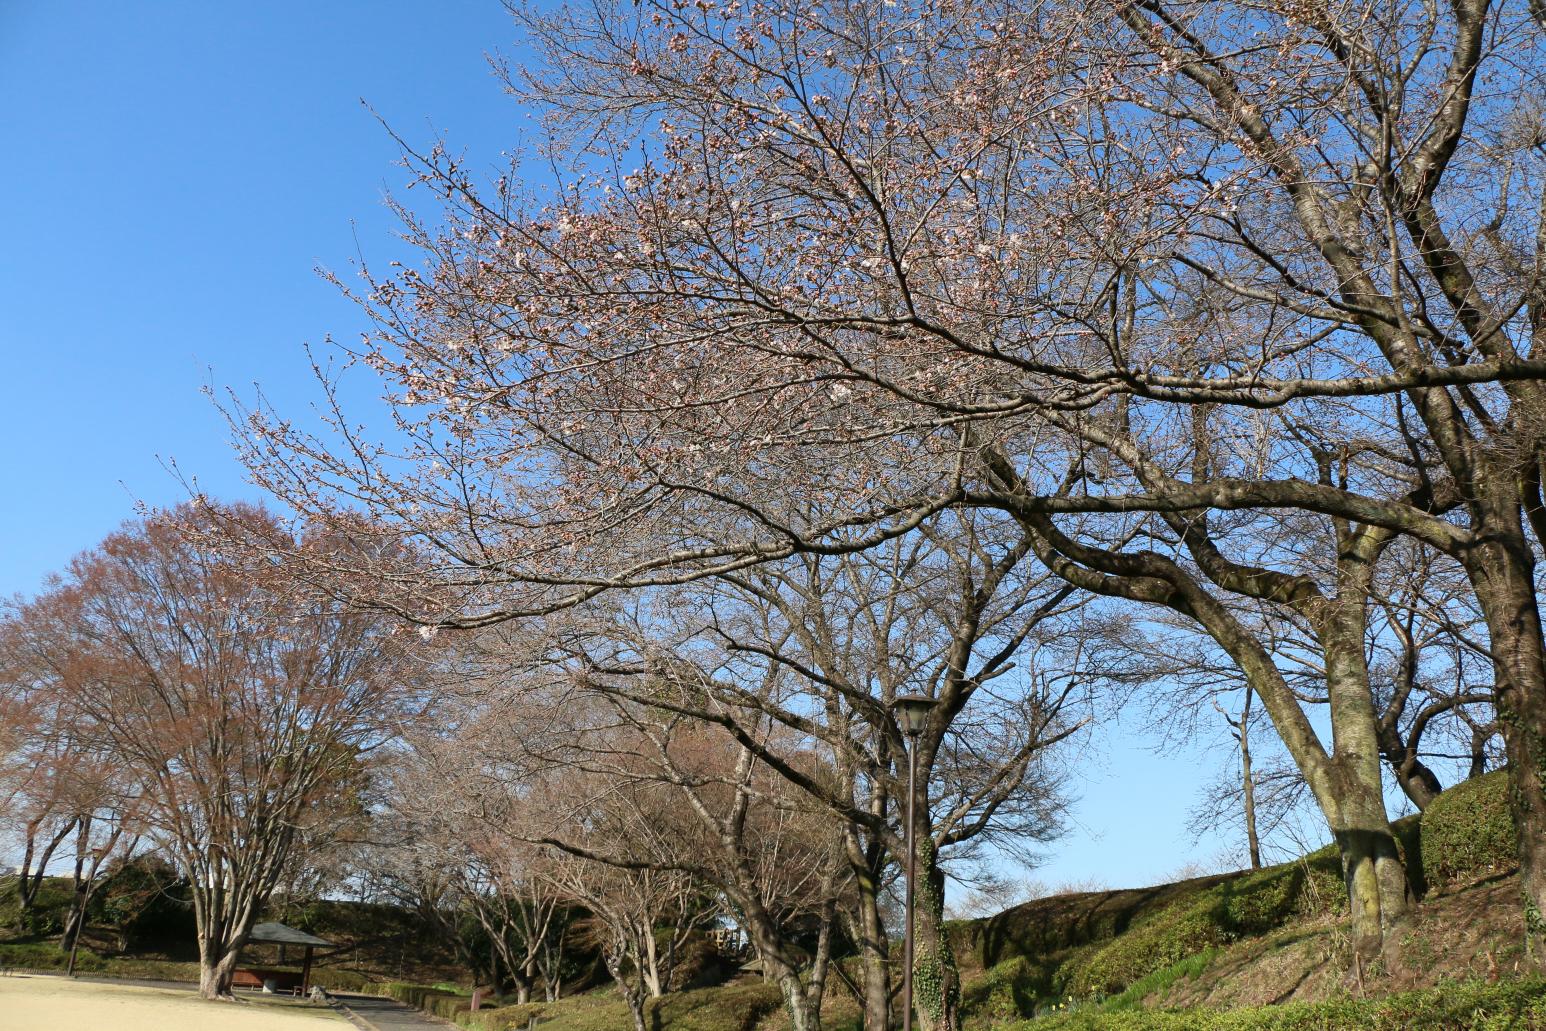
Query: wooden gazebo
point(279, 934)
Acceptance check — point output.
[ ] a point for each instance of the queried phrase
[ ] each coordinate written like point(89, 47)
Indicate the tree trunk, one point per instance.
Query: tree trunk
point(821, 963)
point(34, 866)
point(1353, 795)
point(74, 920)
point(632, 989)
point(1377, 889)
point(1479, 736)
point(216, 969)
point(552, 963)
point(1248, 782)
point(870, 933)
point(802, 1017)
point(936, 981)
point(1504, 582)
point(780, 967)
point(650, 969)
point(1419, 783)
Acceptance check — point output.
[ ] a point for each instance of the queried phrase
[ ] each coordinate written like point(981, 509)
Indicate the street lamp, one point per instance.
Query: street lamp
point(97, 855)
point(913, 713)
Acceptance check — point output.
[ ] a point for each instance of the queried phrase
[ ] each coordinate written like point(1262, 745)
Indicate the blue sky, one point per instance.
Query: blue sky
point(173, 173)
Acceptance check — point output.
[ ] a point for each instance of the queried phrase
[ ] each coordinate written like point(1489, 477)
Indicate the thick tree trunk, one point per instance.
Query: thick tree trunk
point(216, 969)
point(1353, 797)
point(802, 1016)
point(874, 967)
point(1504, 582)
point(870, 932)
point(936, 981)
point(780, 967)
point(1377, 888)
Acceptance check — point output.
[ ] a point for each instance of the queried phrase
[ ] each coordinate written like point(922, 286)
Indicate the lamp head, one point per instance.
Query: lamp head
point(913, 712)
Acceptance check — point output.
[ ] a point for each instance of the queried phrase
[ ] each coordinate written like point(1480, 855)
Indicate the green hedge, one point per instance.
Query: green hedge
point(47, 956)
point(1462, 1006)
point(428, 998)
point(1468, 831)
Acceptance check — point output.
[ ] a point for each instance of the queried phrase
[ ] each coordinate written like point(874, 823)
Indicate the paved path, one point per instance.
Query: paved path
point(389, 1014)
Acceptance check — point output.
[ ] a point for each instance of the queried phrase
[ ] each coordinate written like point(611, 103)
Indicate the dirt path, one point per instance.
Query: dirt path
point(36, 1003)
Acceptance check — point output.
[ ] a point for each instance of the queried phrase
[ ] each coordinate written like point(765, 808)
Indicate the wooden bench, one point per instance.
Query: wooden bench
point(253, 978)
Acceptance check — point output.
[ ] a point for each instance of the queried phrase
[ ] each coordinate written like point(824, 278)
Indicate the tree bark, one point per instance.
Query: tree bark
point(34, 864)
point(633, 995)
point(1504, 582)
point(1417, 781)
point(780, 966)
point(217, 967)
point(1378, 890)
point(870, 933)
point(936, 981)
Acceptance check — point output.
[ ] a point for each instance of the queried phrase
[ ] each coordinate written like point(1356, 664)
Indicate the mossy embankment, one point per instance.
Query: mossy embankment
point(1247, 943)
point(1246, 951)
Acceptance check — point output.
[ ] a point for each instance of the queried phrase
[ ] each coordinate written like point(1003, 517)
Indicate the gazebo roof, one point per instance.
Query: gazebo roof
point(279, 934)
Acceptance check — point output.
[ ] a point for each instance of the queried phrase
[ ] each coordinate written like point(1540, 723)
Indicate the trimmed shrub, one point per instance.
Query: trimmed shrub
point(423, 997)
point(1468, 832)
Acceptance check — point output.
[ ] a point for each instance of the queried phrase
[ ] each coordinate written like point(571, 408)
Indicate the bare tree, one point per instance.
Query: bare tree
point(239, 712)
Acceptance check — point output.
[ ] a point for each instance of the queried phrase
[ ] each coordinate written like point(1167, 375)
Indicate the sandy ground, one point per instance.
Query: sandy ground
point(55, 1004)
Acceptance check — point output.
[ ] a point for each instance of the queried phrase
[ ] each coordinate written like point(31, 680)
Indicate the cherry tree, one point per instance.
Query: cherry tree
point(926, 257)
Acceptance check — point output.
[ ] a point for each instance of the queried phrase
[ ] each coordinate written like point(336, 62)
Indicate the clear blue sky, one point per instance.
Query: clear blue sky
point(173, 172)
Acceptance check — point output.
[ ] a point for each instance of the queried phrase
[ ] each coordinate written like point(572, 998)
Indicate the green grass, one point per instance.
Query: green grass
point(1132, 997)
point(1242, 906)
point(1465, 1006)
point(736, 1007)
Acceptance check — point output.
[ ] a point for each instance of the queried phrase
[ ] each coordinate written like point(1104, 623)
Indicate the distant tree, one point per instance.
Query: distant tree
point(236, 707)
point(56, 783)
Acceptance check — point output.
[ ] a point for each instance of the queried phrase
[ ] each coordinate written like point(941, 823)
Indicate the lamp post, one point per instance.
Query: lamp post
point(80, 920)
point(913, 712)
